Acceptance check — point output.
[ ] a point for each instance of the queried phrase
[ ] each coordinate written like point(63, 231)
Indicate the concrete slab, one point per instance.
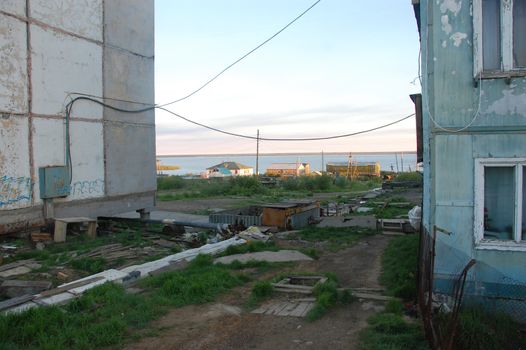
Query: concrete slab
point(15, 179)
point(110, 275)
point(83, 18)
point(21, 308)
point(279, 256)
point(58, 299)
point(62, 63)
point(19, 270)
point(15, 7)
point(129, 77)
point(88, 161)
point(368, 221)
point(130, 166)
point(129, 24)
point(13, 64)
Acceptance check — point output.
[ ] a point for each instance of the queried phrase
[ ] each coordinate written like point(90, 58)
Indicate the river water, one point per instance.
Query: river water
point(197, 164)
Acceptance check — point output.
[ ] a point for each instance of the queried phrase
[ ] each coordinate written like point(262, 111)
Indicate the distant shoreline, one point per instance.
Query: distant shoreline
point(280, 154)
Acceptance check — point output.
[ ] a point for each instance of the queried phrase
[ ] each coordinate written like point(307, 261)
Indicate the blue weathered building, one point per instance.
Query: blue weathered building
point(473, 75)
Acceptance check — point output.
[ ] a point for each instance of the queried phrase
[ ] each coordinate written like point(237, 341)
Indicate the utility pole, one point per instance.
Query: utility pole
point(257, 154)
point(322, 163)
point(396, 157)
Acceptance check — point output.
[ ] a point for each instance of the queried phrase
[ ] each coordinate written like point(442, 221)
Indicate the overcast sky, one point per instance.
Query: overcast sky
point(345, 66)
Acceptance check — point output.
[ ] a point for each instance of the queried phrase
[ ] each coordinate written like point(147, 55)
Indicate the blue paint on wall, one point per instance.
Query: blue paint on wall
point(14, 190)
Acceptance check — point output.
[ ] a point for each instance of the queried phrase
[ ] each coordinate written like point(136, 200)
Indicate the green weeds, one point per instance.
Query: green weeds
point(177, 188)
point(105, 315)
point(337, 238)
point(327, 296)
point(261, 291)
point(399, 263)
point(389, 331)
point(250, 247)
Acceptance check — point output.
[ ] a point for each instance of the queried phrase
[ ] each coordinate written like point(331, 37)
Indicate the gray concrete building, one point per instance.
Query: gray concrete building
point(50, 49)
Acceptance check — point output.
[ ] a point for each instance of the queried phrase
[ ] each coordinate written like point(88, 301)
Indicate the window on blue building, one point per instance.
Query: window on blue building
point(500, 203)
point(499, 37)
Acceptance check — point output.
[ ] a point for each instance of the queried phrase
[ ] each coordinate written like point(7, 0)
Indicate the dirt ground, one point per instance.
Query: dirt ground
point(225, 324)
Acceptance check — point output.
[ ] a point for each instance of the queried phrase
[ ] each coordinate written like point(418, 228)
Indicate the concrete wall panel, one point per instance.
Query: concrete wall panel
point(15, 180)
point(15, 7)
point(130, 159)
point(87, 155)
point(13, 65)
point(129, 77)
point(63, 64)
point(79, 17)
point(130, 25)
point(48, 146)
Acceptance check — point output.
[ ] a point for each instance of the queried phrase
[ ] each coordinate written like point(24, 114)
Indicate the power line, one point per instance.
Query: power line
point(242, 57)
point(70, 105)
point(286, 139)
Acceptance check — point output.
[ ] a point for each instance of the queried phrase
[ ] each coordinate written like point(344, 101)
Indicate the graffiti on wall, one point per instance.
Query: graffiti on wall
point(83, 188)
point(14, 190)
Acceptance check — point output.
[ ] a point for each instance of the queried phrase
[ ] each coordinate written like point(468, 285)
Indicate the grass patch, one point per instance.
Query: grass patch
point(250, 247)
point(328, 296)
point(311, 252)
point(409, 176)
point(176, 188)
point(389, 331)
point(199, 283)
point(91, 265)
point(261, 291)
point(101, 317)
point(399, 263)
point(107, 315)
point(338, 238)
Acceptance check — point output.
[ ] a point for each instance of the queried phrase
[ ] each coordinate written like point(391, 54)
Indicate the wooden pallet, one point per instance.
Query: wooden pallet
point(61, 227)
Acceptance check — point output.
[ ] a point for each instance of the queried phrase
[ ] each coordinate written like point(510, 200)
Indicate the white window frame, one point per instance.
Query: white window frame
point(480, 243)
point(506, 27)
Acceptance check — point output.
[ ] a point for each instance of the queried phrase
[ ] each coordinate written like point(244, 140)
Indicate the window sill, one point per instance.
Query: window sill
point(501, 245)
point(499, 74)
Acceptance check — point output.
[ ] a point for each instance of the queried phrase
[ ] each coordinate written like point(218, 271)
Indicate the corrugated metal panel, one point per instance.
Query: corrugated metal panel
point(301, 219)
point(224, 218)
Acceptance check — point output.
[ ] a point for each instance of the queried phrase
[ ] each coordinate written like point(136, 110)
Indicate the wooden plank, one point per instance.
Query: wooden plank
point(25, 284)
point(292, 291)
point(275, 308)
point(92, 229)
point(292, 286)
point(299, 311)
point(75, 220)
point(16, 264)
point(60, 231)
point(291, 306)
point(9, 303)
point(306, 311)
point(59, 290)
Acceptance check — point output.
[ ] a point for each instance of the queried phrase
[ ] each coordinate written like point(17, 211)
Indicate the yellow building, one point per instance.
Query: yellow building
point(354, 169)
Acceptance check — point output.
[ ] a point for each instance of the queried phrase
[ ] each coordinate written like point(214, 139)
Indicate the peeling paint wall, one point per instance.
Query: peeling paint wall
point(48, 50)
point(494, 114)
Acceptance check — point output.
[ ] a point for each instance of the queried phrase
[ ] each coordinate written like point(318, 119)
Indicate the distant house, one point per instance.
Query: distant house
point(474, 150)
point(288, 169)
point(229, 169)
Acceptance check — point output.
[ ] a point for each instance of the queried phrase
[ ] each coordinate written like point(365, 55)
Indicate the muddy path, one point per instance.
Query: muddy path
point(225, 324)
